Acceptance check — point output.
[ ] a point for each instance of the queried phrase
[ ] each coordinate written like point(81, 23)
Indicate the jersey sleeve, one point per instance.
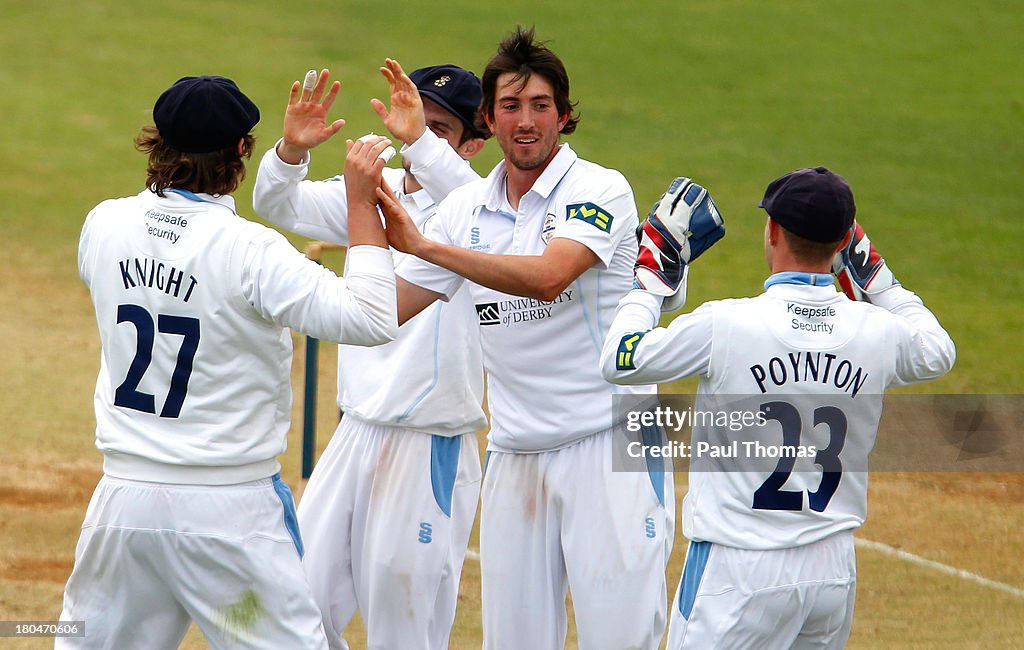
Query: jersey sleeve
point(427, 275)
point(287, 289)
point(85, 249)
point(924, 349)
point(90, 240)
point(599, 215)
point(437, 167)
point(637, 352)
point(315, 209)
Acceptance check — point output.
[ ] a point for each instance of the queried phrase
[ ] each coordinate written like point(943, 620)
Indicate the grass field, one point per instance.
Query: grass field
point(918, 104)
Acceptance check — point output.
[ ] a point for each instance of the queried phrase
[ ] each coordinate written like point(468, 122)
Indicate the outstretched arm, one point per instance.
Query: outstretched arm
point(927, 351)
point(637, 351)
point(282, 195)
point(292, 291)
point(683, 223)
point(542, 277)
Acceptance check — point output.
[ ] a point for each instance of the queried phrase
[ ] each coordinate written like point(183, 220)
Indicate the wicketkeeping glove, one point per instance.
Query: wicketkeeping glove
point(683, 223)
point(860, 269)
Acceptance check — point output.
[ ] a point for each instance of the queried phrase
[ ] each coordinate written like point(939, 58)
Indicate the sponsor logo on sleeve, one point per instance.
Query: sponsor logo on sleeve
point(590, 213)
point(627, 347)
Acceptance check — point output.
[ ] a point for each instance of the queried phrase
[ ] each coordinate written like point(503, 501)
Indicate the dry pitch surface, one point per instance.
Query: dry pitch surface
point(965, 522)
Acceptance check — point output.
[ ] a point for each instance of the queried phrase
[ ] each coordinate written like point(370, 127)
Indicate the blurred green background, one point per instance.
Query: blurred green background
point(919, 104)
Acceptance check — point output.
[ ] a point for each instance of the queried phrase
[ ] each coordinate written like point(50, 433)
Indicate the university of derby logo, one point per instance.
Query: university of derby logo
point(488, 313)
point(590, 213)
point(549, 228)
point(514, 311)
point(442, 81)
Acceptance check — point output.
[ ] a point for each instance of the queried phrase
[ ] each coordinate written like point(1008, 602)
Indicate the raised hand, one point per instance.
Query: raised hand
point(860, 269)
point(305, 120)
point(682, 224)
point(405, 120)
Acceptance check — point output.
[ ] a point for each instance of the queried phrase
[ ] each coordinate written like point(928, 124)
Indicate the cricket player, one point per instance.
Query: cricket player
point(191, 520)
point(771, 558)
point(547, 244)
point(387, 512)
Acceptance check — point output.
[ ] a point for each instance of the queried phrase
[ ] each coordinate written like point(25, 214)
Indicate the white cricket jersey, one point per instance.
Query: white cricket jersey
point(192, 302)
point(545, 388)
point(430, 378)
point(817, 363)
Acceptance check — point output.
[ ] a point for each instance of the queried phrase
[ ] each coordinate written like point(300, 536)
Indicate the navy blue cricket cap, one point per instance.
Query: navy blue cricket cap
point(203, 114)
point(814, 203)
point(458, 91)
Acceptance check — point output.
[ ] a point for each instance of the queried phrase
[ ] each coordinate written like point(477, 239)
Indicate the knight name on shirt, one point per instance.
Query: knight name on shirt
point(154, 274)
point(819, 367)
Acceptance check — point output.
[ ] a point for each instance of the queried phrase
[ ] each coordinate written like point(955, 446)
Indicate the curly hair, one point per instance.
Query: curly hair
point(519, 54)
point(217, 172)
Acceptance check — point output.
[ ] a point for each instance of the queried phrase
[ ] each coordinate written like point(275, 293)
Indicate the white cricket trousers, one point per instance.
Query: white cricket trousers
point(731, 598)
point(386, 518)
point(563, 520)
point(153, 556)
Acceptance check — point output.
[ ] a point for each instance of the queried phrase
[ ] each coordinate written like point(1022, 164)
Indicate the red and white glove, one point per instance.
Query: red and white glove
point(861, 271)
point(682, 224)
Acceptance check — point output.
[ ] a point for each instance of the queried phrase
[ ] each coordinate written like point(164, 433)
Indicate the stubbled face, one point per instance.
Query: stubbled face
point(526, 122)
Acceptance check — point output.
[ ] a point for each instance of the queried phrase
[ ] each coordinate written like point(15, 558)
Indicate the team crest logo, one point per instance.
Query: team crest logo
point(549, 228)
point(442, 81)
point(590, 213)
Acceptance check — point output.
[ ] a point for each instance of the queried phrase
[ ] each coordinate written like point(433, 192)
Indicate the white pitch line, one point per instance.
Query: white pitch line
point(938, 566)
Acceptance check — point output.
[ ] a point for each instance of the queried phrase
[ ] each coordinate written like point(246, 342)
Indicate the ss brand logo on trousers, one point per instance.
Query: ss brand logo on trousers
point(425, 533)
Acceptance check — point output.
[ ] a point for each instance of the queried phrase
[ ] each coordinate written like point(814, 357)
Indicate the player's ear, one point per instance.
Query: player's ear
point(771, 232)
point(470, 147)
point(563, 120)
point(241, 146)
point(488, 118)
